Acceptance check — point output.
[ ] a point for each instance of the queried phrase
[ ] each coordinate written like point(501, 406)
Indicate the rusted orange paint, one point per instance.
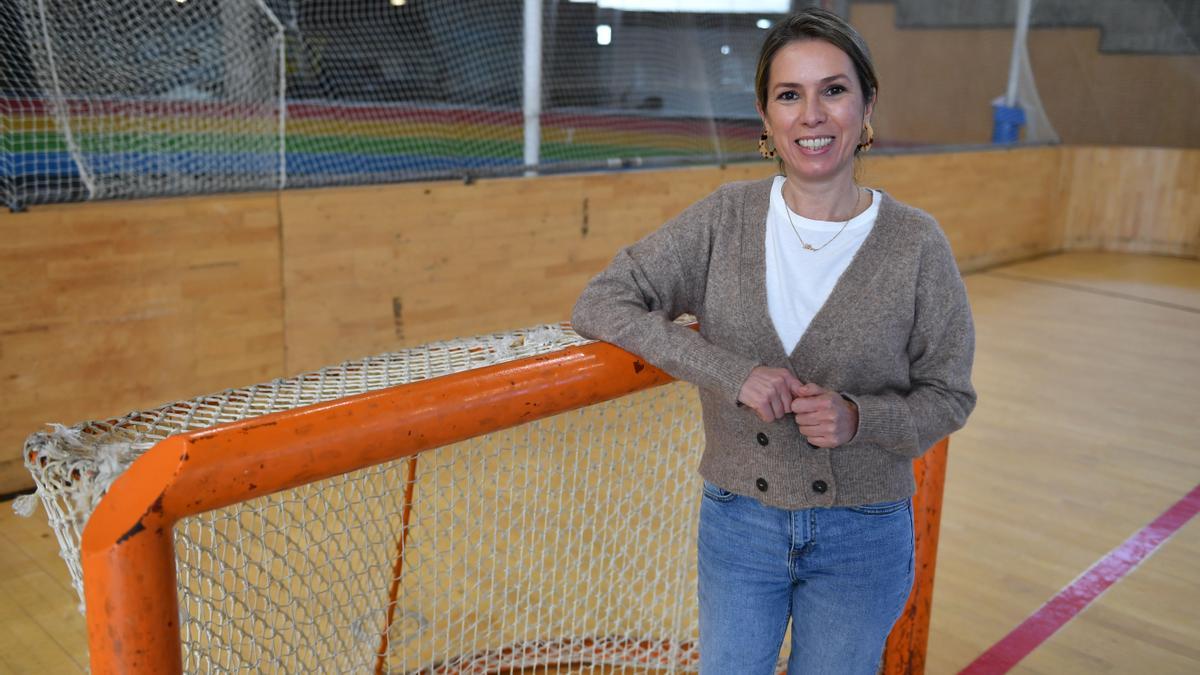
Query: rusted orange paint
point(905, 652)
point(397, 568)
point(128, 551)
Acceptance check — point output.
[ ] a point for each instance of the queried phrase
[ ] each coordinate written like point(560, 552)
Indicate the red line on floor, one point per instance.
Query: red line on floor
point(1070, 601)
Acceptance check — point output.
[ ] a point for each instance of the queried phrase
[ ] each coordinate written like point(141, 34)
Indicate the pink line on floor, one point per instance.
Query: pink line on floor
point(1070, 601)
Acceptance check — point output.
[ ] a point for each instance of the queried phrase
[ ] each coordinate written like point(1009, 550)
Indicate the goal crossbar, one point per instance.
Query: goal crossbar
point(128, 553)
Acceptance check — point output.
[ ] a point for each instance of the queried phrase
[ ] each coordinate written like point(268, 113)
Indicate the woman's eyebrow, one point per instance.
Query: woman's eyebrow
point(824, 80)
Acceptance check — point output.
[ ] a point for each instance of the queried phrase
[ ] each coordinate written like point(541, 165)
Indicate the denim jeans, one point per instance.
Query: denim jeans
point(842, 575)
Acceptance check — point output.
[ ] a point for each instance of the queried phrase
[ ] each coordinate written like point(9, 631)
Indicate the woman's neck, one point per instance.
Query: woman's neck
point(834, 201)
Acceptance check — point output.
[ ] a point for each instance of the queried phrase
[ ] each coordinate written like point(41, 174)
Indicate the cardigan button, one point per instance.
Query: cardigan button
point(762, 438)
point(819, 487)
point(761, 484)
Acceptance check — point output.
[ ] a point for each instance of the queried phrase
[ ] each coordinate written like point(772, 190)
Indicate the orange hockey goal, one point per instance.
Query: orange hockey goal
point(478, 506)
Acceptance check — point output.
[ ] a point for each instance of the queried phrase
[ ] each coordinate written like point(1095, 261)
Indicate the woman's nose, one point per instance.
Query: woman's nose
point(813, 113)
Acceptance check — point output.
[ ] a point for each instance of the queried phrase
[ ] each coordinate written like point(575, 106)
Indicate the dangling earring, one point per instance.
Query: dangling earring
point(764, 148)
point(866, 146)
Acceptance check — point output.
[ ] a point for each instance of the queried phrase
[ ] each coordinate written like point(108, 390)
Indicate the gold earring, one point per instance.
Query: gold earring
point(764, 148)
point(866, 145)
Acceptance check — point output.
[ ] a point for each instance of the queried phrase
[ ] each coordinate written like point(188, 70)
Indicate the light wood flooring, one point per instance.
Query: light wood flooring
point(1087, 428)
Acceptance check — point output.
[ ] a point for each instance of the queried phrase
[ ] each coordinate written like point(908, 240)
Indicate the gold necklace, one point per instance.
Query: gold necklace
point(787, 210)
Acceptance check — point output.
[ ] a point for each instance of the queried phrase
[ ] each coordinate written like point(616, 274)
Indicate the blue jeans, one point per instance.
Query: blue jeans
point(842, 575)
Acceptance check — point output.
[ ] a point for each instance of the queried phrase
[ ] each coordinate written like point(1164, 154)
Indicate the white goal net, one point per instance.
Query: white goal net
point(564, 541)
point(123, 98)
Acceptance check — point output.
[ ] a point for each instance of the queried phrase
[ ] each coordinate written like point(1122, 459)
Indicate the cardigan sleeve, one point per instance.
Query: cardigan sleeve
point(634, 301)
point(941, 349)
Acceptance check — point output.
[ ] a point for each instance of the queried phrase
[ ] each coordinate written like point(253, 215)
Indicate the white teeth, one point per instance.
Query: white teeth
point(814, 143)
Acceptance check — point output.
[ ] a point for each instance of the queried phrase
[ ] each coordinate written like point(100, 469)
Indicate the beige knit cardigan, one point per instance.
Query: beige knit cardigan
point(895, 336)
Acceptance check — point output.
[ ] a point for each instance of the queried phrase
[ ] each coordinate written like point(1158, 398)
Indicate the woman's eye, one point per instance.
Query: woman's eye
point(835, 90)
point(787, 96)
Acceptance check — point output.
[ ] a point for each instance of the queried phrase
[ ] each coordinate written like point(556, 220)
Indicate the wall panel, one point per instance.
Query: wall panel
point(109, 307)
point(406, 264)
point(1134, 200)
point(937, 84)
point(114, 306)
point(403, 265)
point(995, 206)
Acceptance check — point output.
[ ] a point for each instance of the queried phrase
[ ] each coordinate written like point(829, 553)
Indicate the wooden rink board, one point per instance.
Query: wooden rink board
point(229, 290)
point(448, 262)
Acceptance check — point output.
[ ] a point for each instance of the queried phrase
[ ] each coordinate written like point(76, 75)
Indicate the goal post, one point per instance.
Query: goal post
point(128, 551)
point(535, 512)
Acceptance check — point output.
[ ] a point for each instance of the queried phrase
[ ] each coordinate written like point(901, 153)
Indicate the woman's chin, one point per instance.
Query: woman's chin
point(819, 168)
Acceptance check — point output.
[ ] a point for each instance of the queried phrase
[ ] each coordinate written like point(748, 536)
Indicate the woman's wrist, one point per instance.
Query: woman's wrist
point(852, 407)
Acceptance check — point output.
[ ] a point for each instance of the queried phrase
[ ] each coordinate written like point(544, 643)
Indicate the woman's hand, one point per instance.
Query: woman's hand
point(768, 391)
point(825, 418)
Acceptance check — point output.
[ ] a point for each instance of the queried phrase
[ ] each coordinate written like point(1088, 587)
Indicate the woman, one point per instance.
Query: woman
point(835, 346)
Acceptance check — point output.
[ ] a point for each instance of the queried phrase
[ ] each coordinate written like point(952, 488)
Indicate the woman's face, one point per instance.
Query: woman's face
point(815, 110)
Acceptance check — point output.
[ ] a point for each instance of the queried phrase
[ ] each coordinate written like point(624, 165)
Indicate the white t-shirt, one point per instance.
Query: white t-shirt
point(800, 281)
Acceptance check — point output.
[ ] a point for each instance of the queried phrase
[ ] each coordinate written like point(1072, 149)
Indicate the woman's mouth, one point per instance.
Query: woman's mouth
point(814, 143)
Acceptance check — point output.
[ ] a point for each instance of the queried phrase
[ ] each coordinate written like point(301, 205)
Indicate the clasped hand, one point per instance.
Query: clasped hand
point(825, 418)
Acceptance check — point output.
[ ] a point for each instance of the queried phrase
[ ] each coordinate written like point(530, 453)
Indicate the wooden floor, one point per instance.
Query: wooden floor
point(1087, 369)
point(1086, 430)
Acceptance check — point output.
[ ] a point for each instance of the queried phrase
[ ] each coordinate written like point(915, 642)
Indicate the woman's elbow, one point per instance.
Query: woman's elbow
point(583, 319)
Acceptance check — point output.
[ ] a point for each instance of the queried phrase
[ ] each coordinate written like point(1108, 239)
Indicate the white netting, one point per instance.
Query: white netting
point(1038, 128)
point(120, 98)
point(546, 543)
point(131, 98)
point(73, 466)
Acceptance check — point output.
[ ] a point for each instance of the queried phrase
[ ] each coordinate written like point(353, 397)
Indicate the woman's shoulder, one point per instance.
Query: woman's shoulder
point(732, 199)
point(909, 220)
point(743, 189)
point(894, 209)
point(749, 184)
point(919, 233)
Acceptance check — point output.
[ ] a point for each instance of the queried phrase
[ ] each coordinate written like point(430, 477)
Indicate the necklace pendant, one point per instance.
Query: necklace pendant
point(787, 211)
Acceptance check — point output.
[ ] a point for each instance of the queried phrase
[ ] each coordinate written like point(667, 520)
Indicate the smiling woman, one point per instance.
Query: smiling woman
point(816, 114)
point(835, 345)
point(816, 87)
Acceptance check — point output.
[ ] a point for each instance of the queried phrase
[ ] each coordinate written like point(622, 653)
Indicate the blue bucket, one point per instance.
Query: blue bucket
point(1006, 123)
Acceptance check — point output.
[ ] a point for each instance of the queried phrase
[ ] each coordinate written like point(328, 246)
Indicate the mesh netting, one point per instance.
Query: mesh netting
point(127, 99)
point(114, 98)
point(73, 466)
point(120, 98)
point(546, 543)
